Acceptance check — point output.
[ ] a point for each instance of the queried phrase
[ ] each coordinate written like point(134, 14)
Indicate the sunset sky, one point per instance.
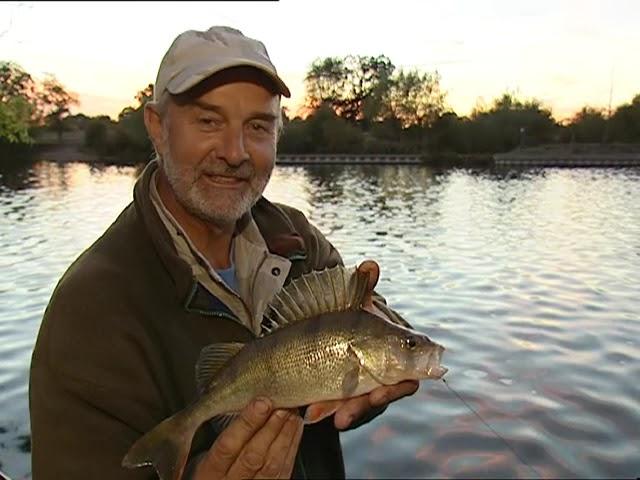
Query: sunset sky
point(565, 53)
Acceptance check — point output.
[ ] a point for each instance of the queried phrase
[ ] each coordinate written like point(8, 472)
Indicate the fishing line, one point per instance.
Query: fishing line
point(490, 428)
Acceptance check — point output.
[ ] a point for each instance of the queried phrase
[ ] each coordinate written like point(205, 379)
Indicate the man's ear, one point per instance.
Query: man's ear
point(153, 123)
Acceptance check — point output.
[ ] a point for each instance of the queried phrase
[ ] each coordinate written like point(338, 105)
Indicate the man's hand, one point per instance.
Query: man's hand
point(260, 443)
point(350, 410)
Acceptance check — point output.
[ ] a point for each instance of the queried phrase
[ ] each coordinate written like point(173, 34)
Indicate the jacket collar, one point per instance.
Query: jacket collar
point(276, 228)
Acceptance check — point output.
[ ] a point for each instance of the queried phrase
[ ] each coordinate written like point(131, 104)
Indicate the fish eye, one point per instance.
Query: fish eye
point(411, 342)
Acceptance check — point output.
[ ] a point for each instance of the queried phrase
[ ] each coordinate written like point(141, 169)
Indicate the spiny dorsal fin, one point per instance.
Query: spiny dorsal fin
point(335, 289)
point(212, 358)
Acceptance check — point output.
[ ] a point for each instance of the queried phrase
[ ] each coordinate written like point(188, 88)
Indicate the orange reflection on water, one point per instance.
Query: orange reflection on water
point(383, 433)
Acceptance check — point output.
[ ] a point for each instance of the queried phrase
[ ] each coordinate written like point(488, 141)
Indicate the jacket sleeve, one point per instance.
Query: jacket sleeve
point(78, 435)
point(90, 393)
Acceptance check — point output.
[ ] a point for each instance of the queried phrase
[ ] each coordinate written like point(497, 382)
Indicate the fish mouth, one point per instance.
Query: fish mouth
point(433, 368)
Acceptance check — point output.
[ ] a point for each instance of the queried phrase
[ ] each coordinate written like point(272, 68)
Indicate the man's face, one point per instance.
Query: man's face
point(219, 149)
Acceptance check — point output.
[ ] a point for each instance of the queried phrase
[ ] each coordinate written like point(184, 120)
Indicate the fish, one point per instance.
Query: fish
point(323, 338)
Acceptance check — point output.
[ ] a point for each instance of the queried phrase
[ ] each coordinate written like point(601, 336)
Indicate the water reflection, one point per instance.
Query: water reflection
point(530, 279)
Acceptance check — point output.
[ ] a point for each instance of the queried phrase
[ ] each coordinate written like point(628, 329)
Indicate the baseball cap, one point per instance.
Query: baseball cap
point(195, 55)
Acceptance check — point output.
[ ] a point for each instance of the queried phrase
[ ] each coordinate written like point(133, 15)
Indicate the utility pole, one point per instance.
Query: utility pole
point(605, 134)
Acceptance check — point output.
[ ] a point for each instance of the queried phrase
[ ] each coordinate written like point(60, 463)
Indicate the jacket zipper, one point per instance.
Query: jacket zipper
point(213, 313)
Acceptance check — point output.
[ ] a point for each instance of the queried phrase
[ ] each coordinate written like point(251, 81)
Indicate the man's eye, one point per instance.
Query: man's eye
point(259, 127)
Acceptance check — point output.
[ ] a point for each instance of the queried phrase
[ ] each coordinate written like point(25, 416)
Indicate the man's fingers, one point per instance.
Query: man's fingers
point(287, 468)
point(257, 440)
point(281, 456)
point(383, 395)
point(231, 441)
point(350, 410)
point(354, 408)
point(254, 454)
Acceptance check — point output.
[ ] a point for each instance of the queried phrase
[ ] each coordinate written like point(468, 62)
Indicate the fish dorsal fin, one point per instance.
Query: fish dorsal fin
point(212, 358)
point(335, 289)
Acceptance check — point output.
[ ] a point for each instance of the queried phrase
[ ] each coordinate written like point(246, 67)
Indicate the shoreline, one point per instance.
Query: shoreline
point(551, 155)
point(571, 155)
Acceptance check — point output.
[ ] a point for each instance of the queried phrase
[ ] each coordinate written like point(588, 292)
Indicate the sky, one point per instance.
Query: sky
point(565, 53)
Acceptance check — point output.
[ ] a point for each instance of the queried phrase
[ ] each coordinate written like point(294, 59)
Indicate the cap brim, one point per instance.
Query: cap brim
point(185, 80)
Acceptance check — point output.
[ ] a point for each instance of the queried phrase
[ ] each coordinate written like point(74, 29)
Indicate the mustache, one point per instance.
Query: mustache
point(244, 171)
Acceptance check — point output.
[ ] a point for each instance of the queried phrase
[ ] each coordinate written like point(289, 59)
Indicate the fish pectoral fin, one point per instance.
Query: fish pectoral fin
point(319, 411)
point(212, 358)
point(362, 364)
point(221, 422)
point(356, 354)
point(350, 381)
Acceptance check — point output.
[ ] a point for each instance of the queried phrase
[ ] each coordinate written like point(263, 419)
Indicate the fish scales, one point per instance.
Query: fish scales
point(304, 363)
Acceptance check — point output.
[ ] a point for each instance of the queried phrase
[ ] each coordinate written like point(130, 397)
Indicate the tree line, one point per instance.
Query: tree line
point(26, 104)
point(353, 104)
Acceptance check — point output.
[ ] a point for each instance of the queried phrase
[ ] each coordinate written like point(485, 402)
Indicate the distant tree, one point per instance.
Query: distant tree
point(325, 82)
point(341, 136)
point(415, 98)
point(322, 132)
point(353, 86)
point(49, 100)
point(508, 123)
point(54, 102)
point(145, 95)
point(450, 133)
point(131, 131)
point(296, 137)
point(132, 127)
point(98, 135)
point(15, 114)
point(76, 122)
point(126, 140)
point(588, 125)
point(16, 82)
point(17, 92)
point(625, 122)
point(389, 129)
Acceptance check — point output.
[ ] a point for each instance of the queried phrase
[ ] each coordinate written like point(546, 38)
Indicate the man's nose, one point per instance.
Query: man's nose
point(234, 149)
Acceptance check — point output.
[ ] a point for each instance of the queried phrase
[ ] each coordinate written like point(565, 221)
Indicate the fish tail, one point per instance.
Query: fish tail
point(166, 447)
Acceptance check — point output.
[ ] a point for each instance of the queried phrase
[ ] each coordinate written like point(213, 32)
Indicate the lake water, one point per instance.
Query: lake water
point(531, 280)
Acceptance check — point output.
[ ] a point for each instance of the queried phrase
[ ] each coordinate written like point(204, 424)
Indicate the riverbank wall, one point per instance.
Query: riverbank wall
point(571, 155)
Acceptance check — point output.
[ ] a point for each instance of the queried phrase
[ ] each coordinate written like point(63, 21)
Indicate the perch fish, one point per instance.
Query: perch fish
point(324, 340)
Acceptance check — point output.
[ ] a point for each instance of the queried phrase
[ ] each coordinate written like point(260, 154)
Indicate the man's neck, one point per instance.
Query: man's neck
point(213, 241)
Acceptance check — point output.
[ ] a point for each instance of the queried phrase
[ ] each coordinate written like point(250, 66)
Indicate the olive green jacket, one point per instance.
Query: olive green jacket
point(116, 350)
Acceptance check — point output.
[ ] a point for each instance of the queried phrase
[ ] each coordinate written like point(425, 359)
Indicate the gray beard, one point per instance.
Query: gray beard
point(214, 206)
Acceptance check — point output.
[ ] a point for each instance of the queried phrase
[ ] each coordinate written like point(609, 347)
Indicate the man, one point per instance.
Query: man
point(193, 260)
